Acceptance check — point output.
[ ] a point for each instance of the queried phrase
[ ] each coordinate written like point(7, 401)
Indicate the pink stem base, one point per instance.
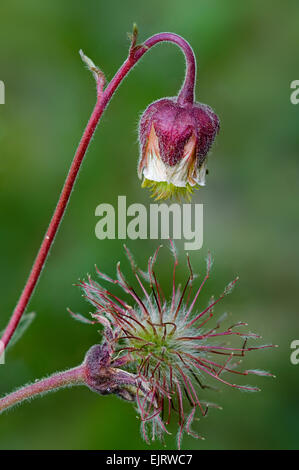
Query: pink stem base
point(68, 378)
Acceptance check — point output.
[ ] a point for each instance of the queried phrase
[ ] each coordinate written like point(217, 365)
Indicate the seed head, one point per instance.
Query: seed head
point(169, 346)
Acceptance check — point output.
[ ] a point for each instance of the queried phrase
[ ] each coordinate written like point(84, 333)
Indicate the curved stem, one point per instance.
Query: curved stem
point(75, 376)
point(186, 96)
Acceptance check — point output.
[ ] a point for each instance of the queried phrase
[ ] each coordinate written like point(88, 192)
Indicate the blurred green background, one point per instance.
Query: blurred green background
point(247, 55)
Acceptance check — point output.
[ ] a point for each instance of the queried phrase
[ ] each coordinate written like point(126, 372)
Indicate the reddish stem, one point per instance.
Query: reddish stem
point(68, 378)
point(186, 96)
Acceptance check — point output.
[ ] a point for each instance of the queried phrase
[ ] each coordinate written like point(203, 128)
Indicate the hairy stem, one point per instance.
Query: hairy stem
point(75, 376)
point(186, 96)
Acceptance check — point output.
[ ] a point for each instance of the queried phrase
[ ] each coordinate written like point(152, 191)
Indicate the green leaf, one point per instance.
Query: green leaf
point(25, 322)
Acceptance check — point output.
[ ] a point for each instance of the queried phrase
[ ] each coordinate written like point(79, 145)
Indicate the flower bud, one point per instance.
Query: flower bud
point(174, 143)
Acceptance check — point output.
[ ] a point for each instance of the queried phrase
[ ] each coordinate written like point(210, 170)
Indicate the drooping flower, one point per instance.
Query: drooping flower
point(175, 139)
point(168, 346)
